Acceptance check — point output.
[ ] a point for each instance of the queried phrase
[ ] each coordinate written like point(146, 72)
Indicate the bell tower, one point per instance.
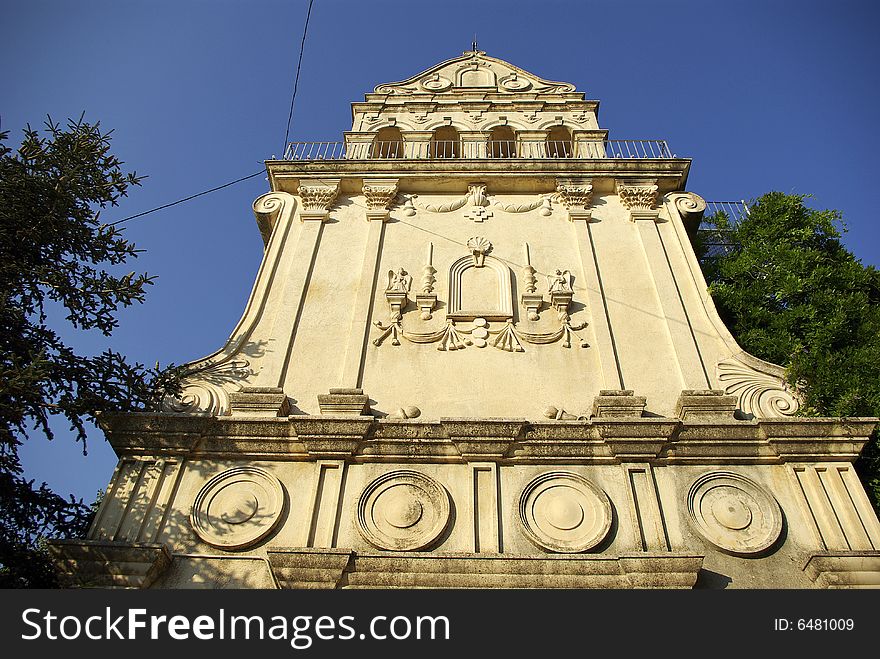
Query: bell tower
point(480, 352)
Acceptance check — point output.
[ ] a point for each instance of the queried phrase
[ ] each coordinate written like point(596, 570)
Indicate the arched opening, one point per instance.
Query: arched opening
point(445, 143)
point(502, 142)
point(559, 142)
point(388, 143)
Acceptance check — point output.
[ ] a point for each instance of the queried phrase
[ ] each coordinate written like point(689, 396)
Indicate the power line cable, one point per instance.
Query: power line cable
point(243, 178)
point(180, 201)
point(302, 47)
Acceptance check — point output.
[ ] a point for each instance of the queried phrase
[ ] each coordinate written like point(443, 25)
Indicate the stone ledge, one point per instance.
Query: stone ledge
point(259, 402)
point(334, 568)
point(850, 569)
point(102, 564)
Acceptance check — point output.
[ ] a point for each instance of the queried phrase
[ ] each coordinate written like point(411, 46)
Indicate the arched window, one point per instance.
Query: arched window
point(559, 142)
point(388, 143)
point(502, 142)
point(445, 143)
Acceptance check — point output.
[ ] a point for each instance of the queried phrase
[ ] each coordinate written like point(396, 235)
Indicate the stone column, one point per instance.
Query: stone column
point(576, 195)
point(639, 197)
point(379, 194)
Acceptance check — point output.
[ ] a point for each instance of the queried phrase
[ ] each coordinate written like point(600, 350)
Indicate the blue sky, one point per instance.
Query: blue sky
point(763, 95)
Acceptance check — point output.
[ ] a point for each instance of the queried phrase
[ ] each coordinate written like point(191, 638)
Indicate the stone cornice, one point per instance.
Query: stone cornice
point(523, 174)
point(611, 440)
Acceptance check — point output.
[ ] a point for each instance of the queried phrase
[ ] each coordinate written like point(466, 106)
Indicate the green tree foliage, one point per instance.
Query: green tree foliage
point(792, 294)
point(57, 260)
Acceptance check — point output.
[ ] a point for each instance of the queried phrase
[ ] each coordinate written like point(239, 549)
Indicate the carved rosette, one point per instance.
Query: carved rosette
point(734, 513)
point(639, 198)
point(317, 197)
point(563, 512)
point(238, 508)
point(760, 395)
point(403, 510)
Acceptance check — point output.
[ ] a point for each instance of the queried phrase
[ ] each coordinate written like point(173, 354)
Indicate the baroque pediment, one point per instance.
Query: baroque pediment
point(474, 71)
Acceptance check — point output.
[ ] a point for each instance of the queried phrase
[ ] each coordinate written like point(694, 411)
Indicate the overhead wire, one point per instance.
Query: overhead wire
point(249, 176)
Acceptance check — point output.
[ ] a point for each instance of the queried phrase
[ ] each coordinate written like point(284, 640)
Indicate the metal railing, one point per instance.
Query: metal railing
point(484, 149)
point(712, 236)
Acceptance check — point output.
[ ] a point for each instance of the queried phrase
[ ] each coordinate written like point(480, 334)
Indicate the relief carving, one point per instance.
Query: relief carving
point(563, 512)
point(205, 389)
point(759, 394)
point(238, 508)
point(734, 513)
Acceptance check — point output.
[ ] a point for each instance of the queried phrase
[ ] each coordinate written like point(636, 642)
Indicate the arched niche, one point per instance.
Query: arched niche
point(559, 142)
point(445, 142)
point(502, 142)
point(388, 143)
point(480, 291)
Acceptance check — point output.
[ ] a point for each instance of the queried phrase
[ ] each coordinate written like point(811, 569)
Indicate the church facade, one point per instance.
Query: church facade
point(480, 352)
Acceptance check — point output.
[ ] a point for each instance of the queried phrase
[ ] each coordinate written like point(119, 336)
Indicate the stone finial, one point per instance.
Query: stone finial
point(317, 196)
point(639, 198)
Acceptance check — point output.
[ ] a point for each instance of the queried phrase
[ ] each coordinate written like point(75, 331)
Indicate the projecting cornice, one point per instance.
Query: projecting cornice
point(523, 175)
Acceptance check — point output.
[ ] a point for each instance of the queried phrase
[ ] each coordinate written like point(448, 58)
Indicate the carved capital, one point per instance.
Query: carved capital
point(380, 193)
point(639, 198)
point(575, 193)
point(317, 196)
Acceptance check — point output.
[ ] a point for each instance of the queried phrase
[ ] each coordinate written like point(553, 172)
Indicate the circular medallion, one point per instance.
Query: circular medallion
point(734, 513)
point(403, 510)
point(237, 508)
point(564, 512)
point(436, 83)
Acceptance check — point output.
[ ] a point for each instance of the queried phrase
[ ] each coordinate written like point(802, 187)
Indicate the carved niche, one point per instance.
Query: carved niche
point(480, 285)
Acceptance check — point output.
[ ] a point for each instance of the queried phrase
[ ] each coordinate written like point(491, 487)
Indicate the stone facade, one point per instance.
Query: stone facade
point(480, 352)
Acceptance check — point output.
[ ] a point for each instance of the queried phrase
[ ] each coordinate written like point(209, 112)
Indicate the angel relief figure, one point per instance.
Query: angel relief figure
point(399, 281)
point(559, 282)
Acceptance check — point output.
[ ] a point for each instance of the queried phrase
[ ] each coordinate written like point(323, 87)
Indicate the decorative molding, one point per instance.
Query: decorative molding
point(618, 404)
point(734, 513)
point(563, 512)
point(426, 300)
point(238, 508)
point(704, 405)
point(530, 299)
point(479, 247)
point(502, 306)
point(345, 402)
point(691, 206)
point(205, 388)
point(259, 402)
point(403, 510)
point(759, 394)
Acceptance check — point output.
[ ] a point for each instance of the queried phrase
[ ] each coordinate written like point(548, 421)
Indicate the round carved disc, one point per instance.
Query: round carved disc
point(734, 513)
point(403, 510)
point(564, 512)
point(238, 508)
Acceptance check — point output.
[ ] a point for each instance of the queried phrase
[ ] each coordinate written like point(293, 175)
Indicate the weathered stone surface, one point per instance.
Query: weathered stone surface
point(100, 564)
point(553, 401)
